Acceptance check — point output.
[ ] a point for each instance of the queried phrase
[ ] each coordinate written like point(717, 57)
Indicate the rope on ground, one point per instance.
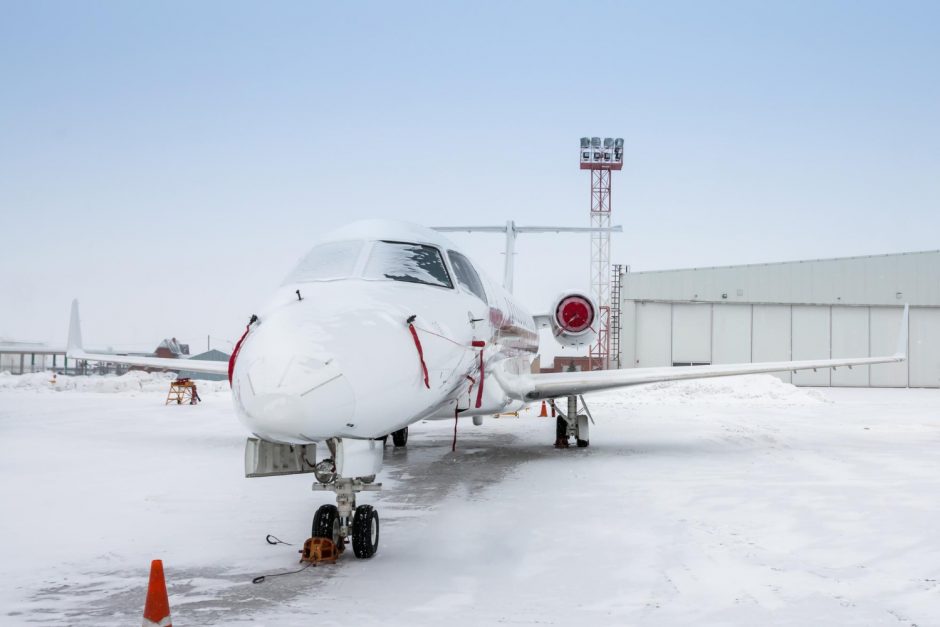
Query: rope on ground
point(263, 578)
point(275, 540)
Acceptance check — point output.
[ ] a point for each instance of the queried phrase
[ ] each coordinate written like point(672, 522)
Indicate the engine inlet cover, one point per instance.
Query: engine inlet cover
point(574, 314)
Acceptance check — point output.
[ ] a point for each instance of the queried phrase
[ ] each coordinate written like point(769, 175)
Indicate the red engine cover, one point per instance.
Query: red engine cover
point(574, 314)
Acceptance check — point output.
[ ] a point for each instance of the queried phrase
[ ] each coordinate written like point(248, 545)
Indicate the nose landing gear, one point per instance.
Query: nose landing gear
point(345, 521)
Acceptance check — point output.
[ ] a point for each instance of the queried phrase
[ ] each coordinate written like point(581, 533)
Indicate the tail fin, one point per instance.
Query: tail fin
point(75, 331)
point(902, 334)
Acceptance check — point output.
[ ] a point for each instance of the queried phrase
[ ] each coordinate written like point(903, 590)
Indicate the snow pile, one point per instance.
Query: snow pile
point(755, 389)
point(132, 382)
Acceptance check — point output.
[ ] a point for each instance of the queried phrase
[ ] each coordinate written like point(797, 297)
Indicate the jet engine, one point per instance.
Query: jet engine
point(573, 318)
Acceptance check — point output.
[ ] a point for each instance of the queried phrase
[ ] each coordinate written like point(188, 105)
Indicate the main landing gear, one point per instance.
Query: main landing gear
point(573, 424)
point(400, 437)
point(345, 522)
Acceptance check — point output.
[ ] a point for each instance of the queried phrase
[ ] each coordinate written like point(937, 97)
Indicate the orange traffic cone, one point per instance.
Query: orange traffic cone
point(157, 607)
point(544, 412)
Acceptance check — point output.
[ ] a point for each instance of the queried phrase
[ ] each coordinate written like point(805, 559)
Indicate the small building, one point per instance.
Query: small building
point(170, 349)
point(209, 355)
point(817, 309)
point(566, 363)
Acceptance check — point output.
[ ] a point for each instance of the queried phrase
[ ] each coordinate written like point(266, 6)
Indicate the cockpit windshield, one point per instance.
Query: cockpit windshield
point(332, 260)
point(412, 263)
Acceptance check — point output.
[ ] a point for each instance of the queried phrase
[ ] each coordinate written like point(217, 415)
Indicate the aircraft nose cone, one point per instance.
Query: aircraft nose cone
point(290, 390)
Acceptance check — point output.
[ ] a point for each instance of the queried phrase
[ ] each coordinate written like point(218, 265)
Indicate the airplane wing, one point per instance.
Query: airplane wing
point(75, 351)
point(534, 387)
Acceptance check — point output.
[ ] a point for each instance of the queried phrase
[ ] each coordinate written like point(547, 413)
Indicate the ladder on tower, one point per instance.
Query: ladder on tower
point(615, 284)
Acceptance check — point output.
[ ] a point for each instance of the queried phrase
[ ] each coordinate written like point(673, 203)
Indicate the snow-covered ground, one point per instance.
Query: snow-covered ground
point(736, 501)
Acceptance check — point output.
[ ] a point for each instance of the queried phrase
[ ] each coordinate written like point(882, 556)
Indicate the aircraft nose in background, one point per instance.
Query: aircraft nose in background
point(289, 389)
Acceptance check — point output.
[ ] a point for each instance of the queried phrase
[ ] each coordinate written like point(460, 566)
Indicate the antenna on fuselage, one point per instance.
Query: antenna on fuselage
point(511, 230)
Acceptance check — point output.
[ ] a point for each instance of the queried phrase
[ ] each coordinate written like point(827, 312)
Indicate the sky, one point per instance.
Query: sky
point(167, 163)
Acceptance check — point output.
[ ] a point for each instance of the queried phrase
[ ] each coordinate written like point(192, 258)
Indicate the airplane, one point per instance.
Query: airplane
point(383, 324)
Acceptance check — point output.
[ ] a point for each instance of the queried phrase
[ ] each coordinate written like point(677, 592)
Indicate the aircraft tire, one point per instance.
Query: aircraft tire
point(326, 524)
point(400, 437)
point(583, 443)
point(365, 532)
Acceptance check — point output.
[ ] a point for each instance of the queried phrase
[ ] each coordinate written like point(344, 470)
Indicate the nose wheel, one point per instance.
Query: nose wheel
point(365, 531)
point(326, 524)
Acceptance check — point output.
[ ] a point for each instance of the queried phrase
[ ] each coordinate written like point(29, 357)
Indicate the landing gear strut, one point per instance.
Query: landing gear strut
point(573, 424)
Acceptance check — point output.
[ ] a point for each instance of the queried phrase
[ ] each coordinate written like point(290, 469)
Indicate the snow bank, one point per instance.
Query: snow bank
point(756, 389)
point(132, 382)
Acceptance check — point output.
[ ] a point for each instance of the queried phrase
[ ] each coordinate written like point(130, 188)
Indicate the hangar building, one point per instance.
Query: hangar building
point(848, 307)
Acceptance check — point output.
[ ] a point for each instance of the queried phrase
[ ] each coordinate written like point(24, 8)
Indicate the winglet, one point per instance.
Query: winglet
point(75, 331)
point(901, 351)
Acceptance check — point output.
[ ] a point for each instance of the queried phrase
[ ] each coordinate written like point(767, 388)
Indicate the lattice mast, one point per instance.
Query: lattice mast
point(601, 159)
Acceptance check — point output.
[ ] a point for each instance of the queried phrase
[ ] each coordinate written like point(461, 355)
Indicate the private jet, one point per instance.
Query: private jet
point(383, 324)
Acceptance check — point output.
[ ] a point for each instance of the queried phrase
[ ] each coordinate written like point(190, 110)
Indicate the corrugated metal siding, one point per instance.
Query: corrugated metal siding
point(876, 280)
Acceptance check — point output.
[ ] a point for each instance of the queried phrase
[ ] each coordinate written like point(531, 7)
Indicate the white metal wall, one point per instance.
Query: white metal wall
point(664, 333)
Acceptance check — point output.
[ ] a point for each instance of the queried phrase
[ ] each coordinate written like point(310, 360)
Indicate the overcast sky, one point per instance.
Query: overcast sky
point(167, 163)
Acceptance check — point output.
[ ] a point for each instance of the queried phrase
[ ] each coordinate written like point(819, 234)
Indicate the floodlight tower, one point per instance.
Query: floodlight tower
point(601, 160)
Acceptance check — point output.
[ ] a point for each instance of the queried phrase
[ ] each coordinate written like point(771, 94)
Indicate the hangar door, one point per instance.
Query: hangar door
point(731, 334)
point(691, 334)
point(883, 334)
point(923, 354)
point(850, 339)
point(653, 334)
point(810, 336)
point(770, 330)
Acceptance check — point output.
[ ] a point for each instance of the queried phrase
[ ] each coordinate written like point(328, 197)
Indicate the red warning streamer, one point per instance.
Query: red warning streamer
point(480, 344)
point(453, 446)
point(238, 347)
point(414, 335)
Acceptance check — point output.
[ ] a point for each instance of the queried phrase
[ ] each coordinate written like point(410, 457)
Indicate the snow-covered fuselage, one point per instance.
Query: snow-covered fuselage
point(334, 357)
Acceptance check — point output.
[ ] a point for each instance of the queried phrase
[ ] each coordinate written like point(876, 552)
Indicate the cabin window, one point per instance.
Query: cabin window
point(411, 263)
point(332, 260)
point(466, 275)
